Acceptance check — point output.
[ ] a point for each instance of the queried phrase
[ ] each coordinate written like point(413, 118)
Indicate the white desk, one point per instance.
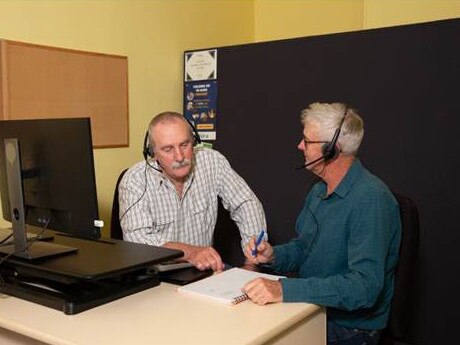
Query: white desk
point(163, 316)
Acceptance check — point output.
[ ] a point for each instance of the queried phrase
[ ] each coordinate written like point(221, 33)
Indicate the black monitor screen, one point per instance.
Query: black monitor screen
point(57, 171)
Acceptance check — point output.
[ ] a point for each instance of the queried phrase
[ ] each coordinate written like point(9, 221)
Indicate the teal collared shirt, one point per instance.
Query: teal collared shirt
point(346, 250)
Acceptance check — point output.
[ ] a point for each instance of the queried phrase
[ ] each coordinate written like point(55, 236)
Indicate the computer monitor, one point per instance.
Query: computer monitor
point(57, 174)
point(47, 174)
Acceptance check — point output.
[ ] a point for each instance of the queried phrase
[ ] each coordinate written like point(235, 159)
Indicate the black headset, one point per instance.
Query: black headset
point(147, 150)
point(329, 149)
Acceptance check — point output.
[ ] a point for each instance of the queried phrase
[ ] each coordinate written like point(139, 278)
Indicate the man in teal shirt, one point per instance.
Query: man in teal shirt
point(348, 238)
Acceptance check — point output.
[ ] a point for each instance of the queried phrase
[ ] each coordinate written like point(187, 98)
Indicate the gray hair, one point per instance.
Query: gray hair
point(327, 118)
point(167, 117)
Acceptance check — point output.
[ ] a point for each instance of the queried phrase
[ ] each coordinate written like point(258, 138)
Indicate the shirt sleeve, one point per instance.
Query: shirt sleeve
point(375, 223)
point(245, 208)
point(290, 256)
point(135, 216)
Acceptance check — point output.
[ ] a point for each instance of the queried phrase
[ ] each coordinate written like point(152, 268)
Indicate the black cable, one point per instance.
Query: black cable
point(34, 239)
point(145, 189)
point(6, 239)
point(316, 232)
point(2, 281)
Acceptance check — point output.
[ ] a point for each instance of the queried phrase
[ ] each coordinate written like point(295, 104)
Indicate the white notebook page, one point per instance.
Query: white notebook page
point(224, 287)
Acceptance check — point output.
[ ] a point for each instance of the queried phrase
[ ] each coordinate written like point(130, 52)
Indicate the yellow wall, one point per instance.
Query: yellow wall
point(280, 19)
point(381, 13)
point(154, 34)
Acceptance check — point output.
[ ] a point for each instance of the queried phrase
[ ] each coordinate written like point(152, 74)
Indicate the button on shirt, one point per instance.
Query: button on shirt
point(346, 250)
point(153, 213)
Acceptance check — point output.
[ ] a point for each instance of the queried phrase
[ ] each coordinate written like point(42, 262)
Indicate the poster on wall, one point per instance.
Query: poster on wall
point(200, 92)
point(201, 65)
point(201, 107)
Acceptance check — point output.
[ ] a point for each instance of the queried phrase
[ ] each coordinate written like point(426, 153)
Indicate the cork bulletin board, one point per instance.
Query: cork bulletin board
point(48, 82)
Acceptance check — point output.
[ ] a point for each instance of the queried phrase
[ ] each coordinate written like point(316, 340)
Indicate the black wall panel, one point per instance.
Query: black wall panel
point(405, 83)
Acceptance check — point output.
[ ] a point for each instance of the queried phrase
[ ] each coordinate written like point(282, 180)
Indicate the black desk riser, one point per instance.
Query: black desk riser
point(99, 272)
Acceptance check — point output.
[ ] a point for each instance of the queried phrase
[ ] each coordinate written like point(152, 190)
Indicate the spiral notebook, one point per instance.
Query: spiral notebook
point(224, 287)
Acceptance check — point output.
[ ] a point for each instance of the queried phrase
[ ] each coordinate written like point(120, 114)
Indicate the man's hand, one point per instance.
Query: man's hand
point(264, 252)
point(205, 258)
point(262, 291)
point(201, 257)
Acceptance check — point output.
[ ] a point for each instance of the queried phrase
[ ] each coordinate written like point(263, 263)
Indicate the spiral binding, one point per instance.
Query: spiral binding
point(240, 298)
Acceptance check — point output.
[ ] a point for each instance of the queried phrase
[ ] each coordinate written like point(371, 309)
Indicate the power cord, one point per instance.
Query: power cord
point(6, 239)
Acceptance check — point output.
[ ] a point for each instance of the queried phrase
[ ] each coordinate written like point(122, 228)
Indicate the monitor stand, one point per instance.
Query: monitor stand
point(21, 248)
point(33, 234)
point(37, 250)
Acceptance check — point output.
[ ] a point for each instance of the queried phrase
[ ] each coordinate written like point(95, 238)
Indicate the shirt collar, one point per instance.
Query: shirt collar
point(349, 179)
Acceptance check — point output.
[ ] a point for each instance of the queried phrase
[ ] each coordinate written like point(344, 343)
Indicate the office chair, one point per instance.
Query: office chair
point(115, 227)
point(402, 302)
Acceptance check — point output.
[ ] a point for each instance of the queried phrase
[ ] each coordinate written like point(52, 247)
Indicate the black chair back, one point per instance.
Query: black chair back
point(401, 304)
point(115, 228)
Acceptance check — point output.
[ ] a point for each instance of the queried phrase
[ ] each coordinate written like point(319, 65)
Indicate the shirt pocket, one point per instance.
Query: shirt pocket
point(202, 221)
point(199, 214)
point(199, 206)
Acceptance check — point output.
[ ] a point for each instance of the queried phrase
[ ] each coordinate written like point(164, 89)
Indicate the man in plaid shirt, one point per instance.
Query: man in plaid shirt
point(171, 198)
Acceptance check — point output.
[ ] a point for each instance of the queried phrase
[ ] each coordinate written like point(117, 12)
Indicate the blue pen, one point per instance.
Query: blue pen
point(259, 239)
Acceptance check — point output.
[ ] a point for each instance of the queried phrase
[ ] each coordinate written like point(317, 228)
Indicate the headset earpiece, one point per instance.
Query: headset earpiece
point(329, 151)
point(147, 150)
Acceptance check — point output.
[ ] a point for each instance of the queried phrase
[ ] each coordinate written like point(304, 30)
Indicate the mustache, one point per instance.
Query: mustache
point(184, 163)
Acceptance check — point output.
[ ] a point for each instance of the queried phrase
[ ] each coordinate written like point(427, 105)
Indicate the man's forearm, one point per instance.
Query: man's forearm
point(187, 249)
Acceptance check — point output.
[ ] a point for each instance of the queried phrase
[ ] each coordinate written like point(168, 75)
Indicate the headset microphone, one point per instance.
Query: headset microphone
point(310, 163)
point(154, 168)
